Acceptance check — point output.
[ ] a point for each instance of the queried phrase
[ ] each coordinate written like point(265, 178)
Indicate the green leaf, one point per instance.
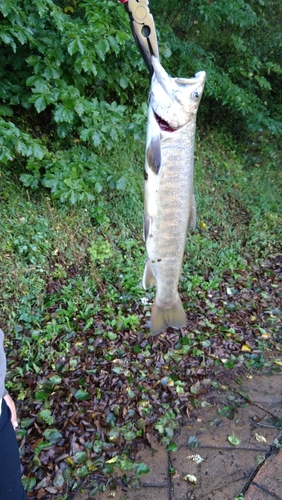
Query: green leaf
point(112, 460)
point(142, 468)
point(41, 446)
point(55, 379)
point(125, 464)
point(81, 395)
point(118, 369)
point(29, 483)
point(89, 66)
point(37, 151)
point(193, 442)
point(101, 48)
point(123, 82)
point(141, 424)
point(52, 435)
point(114, 44)
point(169, 432)
point(42, 395)
point(63, 114)
point(59, 480)
point(63, 129)
point(234, 440)
point(129, 435)
point(80, 46)
point(121, 183)
point(112, 335)
point(80, 457)
point(82, 471)
point(6, 110)
point(29, 180)
point(172, 447)
point(98, 187)
point(47, 416)
point(72, 47)
point(26, 422)
point(131, 393)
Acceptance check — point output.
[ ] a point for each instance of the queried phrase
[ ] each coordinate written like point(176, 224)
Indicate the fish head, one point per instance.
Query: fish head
point(175, 101)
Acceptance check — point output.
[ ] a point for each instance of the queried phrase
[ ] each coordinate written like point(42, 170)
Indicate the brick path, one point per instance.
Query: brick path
point(254, 467)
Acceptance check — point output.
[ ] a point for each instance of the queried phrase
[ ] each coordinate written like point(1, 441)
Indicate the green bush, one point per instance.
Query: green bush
point(238, 44)
point(73, 83)
point(64, 94)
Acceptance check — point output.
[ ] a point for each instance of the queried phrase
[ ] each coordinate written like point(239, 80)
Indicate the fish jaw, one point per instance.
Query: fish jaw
point(175, 100)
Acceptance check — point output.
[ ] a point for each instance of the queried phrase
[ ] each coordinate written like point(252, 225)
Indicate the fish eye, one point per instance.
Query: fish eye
point(195, 95)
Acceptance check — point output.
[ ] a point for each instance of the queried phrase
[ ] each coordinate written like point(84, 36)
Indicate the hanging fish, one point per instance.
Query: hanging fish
point(169, 194)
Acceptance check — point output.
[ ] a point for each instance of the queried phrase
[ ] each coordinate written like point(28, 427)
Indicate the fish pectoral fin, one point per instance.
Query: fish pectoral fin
point(173, 317)
point(154, 154)
point(193, 215)
point(148, 276)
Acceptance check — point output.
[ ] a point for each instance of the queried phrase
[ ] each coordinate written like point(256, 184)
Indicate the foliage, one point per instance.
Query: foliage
point(166, 426)
point(235, 441)
point(238, 44)
point(73, 84)
point(63, 95)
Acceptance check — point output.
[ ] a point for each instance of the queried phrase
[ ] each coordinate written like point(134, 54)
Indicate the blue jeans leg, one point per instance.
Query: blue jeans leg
point(11, 487)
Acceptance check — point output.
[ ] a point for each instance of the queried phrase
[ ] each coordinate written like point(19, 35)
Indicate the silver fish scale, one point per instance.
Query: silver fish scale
point(166, 242)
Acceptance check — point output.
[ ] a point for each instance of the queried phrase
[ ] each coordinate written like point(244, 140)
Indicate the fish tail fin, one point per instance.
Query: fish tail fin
point(161, 317)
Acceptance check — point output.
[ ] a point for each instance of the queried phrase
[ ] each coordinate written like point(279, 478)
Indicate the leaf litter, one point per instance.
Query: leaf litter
point(93, 409)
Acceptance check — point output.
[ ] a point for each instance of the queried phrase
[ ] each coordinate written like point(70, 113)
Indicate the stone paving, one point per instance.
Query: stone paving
point(206, 466)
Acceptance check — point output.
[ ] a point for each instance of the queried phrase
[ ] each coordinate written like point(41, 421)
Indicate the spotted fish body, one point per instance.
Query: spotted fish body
point(169, 195)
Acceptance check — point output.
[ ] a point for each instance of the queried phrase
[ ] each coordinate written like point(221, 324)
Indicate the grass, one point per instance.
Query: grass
point(90, 246)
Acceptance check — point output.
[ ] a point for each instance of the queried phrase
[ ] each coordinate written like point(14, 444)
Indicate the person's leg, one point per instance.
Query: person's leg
point(11, 487)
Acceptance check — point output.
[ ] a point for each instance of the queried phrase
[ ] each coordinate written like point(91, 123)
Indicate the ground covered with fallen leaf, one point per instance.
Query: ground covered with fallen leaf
point(114, 389)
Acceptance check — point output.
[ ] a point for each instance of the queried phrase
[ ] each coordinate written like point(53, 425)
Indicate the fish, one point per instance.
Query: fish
point(169, 201)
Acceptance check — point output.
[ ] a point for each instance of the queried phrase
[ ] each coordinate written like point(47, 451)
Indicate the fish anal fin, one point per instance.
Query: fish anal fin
point(162, 318)
point(148, 276)
point(154, 154)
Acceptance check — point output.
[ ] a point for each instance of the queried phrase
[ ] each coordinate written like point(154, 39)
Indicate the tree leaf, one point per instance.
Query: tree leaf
point(52, 435)
point(142, 468)
point(81, 395)
point(191, 478)
point(234, 440)
point(193, 442)
point(172, 447)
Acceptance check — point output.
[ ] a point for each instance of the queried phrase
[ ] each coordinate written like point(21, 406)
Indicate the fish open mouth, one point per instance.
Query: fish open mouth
point(163, 124)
